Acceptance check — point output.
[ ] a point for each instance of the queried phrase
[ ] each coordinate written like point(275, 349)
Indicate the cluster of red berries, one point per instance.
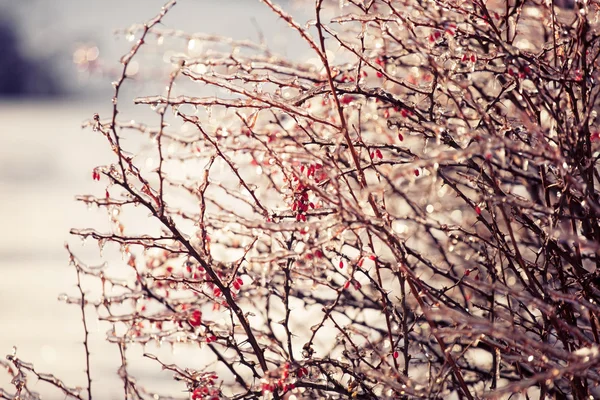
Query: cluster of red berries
point(282, 382)
point(404, 113)
point(356, 284)
point(435, 36)
point(195, 319)
point(272, 386)
point(207, 389)
point(381, 63)
point(519, 73)
point(362, 260)
point(193, 316)
point(302, 372)
point(301, 203)
point(376, 154)
point(313, 170)
point(468, 58)
point(210, 338)
point(347, 99)
point(195, 273)
point(316, 254)
point(238, 283)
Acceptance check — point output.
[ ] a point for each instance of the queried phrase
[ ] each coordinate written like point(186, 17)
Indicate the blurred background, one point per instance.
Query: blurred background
point(57, 61)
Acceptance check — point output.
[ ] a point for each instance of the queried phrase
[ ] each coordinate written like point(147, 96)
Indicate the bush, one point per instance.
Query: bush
point(411, 213)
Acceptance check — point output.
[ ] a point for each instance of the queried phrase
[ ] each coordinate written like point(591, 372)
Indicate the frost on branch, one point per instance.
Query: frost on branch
point(406, 209)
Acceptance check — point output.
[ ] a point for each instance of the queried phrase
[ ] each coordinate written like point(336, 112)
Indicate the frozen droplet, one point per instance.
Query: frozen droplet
point(101, 243)
point(310, 23)
point(194, 47)
point(132, 68)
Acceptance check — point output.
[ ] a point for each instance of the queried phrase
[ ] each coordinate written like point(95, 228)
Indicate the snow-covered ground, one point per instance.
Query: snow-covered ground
point(45, 161)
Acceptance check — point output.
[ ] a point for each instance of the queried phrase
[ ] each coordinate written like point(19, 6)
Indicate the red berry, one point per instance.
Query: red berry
point(196, 318)
point(211, 338)
point(347, 99)
point(197, 394)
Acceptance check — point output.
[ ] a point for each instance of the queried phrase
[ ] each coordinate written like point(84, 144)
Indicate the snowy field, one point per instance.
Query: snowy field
point(46, 159)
